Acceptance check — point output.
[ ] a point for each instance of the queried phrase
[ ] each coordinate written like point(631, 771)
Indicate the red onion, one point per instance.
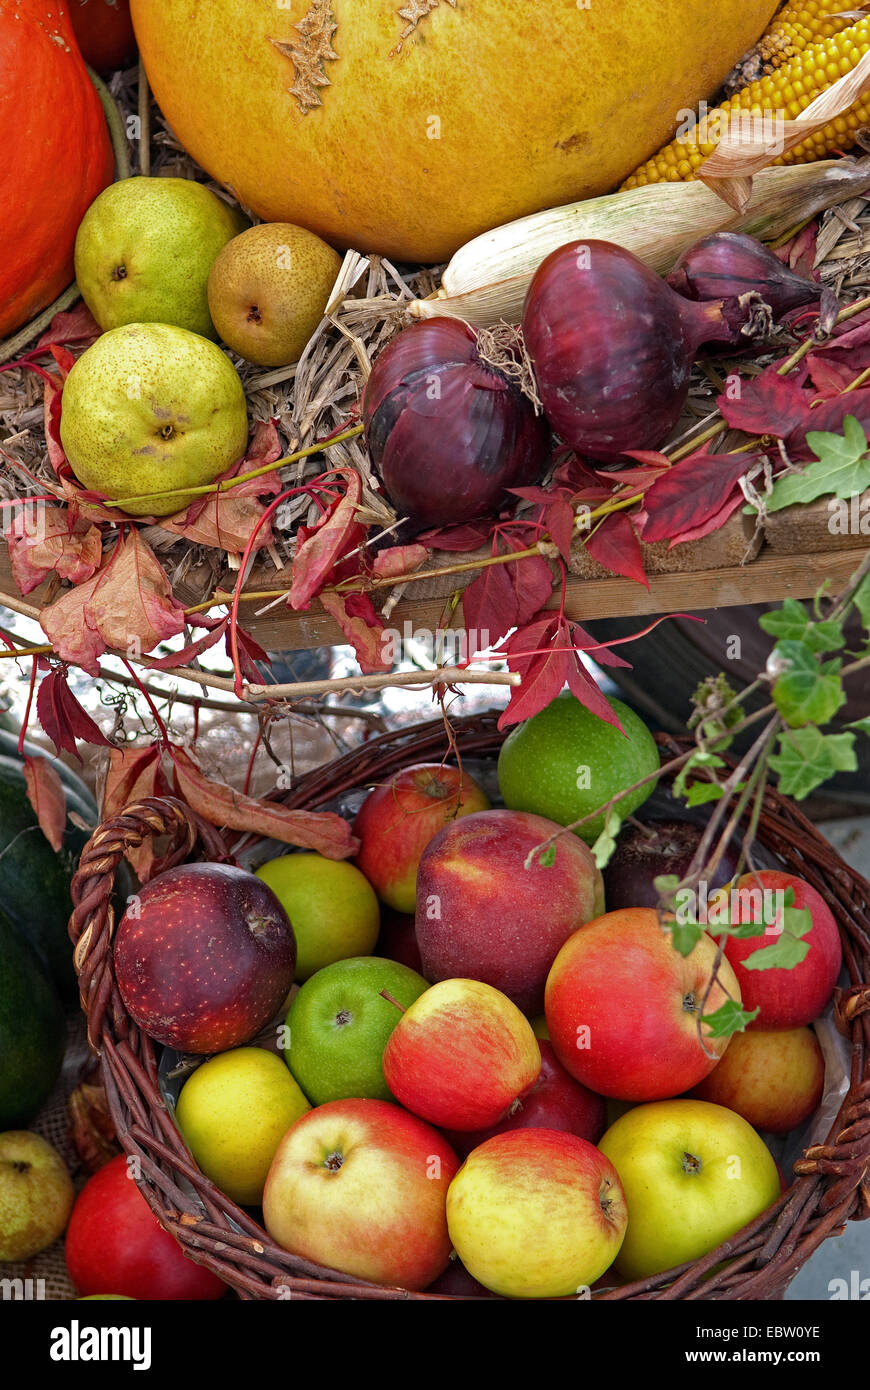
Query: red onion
point(612, 346)
point(447, 432)
point(728, 264)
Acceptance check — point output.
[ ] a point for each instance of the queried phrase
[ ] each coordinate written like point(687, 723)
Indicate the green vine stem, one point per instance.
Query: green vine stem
point(117, 134)
point(11, 347)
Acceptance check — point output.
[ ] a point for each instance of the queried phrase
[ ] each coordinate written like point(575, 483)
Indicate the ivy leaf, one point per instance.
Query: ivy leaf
point(699, 759)
point(806, 693)
point(789, 949)
point(604, 846)
point(863, 727)
point(841, 468)
point(792, 623)
point(699, 793)
point(548, 857)
point(685, 936)
point(730, 1019)
point(807, 758)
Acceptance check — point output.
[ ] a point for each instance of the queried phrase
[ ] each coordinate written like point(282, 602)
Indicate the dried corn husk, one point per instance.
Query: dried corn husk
point(487, 279)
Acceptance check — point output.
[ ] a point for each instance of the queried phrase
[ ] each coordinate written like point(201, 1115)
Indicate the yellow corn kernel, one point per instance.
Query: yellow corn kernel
point(784, 95)
point(798, 25)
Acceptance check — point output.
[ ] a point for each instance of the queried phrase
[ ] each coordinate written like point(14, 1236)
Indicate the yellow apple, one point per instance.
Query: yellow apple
point(536, 1213)
point(332, 907)
point(693, 1173)
point(233, 1113)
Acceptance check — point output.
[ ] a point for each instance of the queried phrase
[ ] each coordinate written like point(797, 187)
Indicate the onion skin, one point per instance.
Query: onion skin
point(729, 264)
point(448, 434)
point(613, 345)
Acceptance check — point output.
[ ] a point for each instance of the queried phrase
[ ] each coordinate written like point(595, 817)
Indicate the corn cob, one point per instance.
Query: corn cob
point(785, 94)
point(798, 25)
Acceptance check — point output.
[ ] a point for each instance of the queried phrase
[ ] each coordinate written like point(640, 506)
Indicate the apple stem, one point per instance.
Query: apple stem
point(385, 994)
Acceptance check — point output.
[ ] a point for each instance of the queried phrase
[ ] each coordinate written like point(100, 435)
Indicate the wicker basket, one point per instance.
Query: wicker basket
point(833, 1178)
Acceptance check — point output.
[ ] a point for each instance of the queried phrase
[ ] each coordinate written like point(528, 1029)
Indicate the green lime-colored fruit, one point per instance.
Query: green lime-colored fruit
point(144, 249)
point(267, 290)
point(339, 1025)
point(565, 762)
point(233, 1112)
point(151, 407)
point(332, 906)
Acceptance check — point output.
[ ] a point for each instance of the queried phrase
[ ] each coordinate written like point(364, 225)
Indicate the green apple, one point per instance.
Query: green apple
point(268, 289)
point(150, 407)
point(565, 762)
point(36, 1194)
point(144, 250)
point(693, 1174)
point(333, 908)
point(339, 1023)
point(233, 1113)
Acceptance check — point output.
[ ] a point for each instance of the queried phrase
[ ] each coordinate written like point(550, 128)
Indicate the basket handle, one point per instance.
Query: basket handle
point(93, 917)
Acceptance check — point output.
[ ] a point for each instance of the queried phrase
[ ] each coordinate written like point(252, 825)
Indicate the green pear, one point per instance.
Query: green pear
point(150, 407)
point(36, 1194)
point(267, 290)
point(144, 249)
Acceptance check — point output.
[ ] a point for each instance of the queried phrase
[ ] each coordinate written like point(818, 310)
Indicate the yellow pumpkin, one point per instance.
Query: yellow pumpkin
point(407, 126)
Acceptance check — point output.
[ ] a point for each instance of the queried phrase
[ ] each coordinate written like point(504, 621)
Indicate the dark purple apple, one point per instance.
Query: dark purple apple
point(398, 939)
point(204, 957)
point(658, 847)
point(458, 1283)
point(554, 1101)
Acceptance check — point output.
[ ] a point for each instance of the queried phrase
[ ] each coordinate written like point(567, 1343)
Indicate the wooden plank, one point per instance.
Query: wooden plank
point(768, 579)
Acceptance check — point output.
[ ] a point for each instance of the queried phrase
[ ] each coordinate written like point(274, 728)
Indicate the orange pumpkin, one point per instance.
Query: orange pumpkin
point(56, 155)
point(104, 31)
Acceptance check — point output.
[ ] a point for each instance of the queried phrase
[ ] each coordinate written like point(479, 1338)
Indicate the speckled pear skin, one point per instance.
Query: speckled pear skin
point(144, 250)
point(267, 291)
point(151, 407)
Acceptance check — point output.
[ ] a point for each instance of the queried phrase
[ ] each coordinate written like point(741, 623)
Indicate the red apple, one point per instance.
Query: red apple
point(554, 1101)
point(482, 914)
point(622, 1007)
point(398, 819)
point(773, 1078)
point(116, 1245)
point(104, 31)
point(537, 1214)
point(461, 1055)
point(360, 1186)
point(398, 940)
point(786, 998)
point(204, 957)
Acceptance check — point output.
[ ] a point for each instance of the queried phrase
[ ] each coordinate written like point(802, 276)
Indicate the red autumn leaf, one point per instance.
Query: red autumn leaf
point(47, 797)
point(133, 774)
point(356, 616)
point(546, 654)
point(46, 540)
point(51, 397)
point(226, 808)
point(62, 717)
point(193, 649)
point(556, 513)
point(457, 539)
point(690, 493)
point(713, 523)
point(653, 465)
point(769, 404)
point(614, 545)
point(398, 560)
point(507, 595)
point(250, 652)
point(828, 418)
point(828, 376)
point(128, 605)
point(225, 520)
point(321, 548)
point(76, 325)
point(599, 651)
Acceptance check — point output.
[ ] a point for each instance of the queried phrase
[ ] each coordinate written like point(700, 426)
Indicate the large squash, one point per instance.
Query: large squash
point(55, 154)
point(408, 126)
